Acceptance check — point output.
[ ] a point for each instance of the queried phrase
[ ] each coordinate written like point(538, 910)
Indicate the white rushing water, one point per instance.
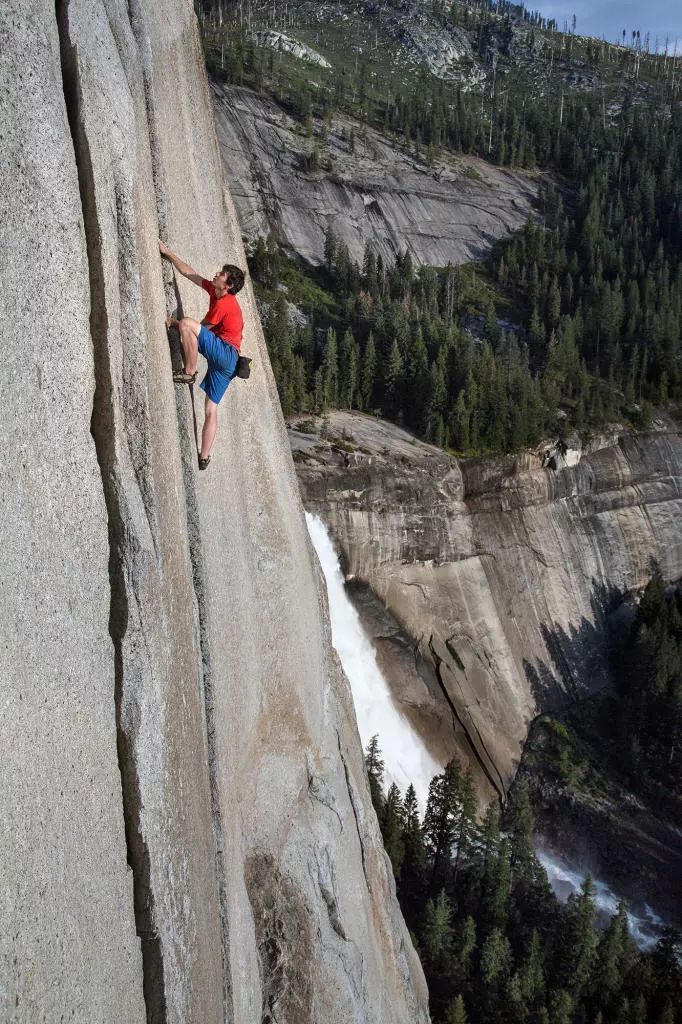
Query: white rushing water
point(645, 928)
point(405, 757)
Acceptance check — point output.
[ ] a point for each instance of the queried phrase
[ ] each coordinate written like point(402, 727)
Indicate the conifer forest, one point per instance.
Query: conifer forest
point(571, 323)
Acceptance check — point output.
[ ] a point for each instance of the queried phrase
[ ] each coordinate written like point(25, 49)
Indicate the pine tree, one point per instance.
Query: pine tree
point(465, 828)
point(375, 770)
point(437, 394)
point(561, 1008)
point(496, 888)
point(329, 396)
point(330, 249)
point(638, 1011)
point(461, 436)
point(532, 974)
point(368, 374)
point(536, 338)
point(579, 948)
point(393, 381)
point(417, 381)
point(443, 809)
point(348, 371)
point(411, 885)
point(553, 304)
point(464, 947)
point(437, 936)
point(613, 955)
point(515, 1009)
point(456, 1012)
point(392, 825)
point(522, 823)
point(495, 958)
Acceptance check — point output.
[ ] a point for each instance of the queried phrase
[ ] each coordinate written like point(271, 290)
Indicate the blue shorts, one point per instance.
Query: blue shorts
point(222, 364)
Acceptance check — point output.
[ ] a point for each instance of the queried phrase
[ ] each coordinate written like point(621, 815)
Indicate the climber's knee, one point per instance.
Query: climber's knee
point(189, 326)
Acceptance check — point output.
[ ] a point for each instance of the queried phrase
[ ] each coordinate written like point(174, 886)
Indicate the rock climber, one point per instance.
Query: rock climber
point(218, 337)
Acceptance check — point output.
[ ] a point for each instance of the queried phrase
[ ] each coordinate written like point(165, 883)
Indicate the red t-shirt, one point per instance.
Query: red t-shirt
point(224, 317)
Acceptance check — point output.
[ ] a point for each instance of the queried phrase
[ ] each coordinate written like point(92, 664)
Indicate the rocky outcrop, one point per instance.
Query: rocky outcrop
point(503, 575)
point(186, 828)
point(427, 39)
point(285, 44)
point(402, 34)
point(368, 192)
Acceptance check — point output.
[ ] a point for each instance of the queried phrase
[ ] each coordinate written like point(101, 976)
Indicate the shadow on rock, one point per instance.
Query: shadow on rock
point(579, 656)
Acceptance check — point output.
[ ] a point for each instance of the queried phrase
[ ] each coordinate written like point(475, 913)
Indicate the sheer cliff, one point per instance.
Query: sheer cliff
point(491, 586)
point(368, 192)
point(187, 833)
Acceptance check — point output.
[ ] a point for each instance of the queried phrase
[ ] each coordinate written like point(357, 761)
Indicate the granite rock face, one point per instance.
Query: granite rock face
point(285, 44)
point(373, 193)
point(67, 931)
point(503, 576)
point(187, 833)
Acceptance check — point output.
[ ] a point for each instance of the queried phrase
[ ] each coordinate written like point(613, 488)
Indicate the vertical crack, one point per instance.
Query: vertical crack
point(357, 811)
point(196, 557)
point(103, 429)
point(188, 456)
point(498, 786)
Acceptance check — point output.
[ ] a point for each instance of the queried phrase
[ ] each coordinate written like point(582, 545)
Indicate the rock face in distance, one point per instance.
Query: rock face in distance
point(503, 575)
point(376, 194)
point(187, 832)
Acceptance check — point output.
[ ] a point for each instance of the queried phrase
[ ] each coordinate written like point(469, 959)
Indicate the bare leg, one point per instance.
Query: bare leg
point(189, 332)
point(210, 427)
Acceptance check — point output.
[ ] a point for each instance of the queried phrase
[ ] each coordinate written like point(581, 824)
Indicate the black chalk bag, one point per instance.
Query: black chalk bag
point(243, 367)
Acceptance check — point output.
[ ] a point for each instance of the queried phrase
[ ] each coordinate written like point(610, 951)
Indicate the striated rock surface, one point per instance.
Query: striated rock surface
point(375, 194)
point(503, 575)
point(285, 44)
point(443, 48)
point(185, 821)
point(67, 932)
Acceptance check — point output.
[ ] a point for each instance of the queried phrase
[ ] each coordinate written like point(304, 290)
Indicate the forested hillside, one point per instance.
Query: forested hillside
point(495, 942)
point(575, 321)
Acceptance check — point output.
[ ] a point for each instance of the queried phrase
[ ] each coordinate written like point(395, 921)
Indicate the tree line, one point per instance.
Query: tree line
point(495, 943)
point(522, 113)
point(594, 282)
point(428, 348)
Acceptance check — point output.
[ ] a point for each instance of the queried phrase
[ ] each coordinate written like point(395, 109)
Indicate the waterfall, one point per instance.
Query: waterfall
point(405, 757)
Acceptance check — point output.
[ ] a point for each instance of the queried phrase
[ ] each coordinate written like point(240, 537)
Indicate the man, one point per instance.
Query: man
point(218, 337)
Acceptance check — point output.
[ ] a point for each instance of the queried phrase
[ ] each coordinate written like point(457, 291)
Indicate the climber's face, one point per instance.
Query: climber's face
point(220, 281)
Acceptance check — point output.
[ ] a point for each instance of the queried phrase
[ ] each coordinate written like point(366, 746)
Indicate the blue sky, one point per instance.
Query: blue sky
point(610, 17)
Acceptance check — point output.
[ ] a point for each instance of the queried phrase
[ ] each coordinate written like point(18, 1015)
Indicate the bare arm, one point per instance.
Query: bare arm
point(180, 265)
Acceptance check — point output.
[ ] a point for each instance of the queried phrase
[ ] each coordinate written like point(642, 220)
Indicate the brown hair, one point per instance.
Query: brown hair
point(235, 278)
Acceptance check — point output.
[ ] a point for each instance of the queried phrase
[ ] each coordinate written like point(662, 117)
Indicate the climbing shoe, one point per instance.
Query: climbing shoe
point(180, 377)
point(203, 463)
